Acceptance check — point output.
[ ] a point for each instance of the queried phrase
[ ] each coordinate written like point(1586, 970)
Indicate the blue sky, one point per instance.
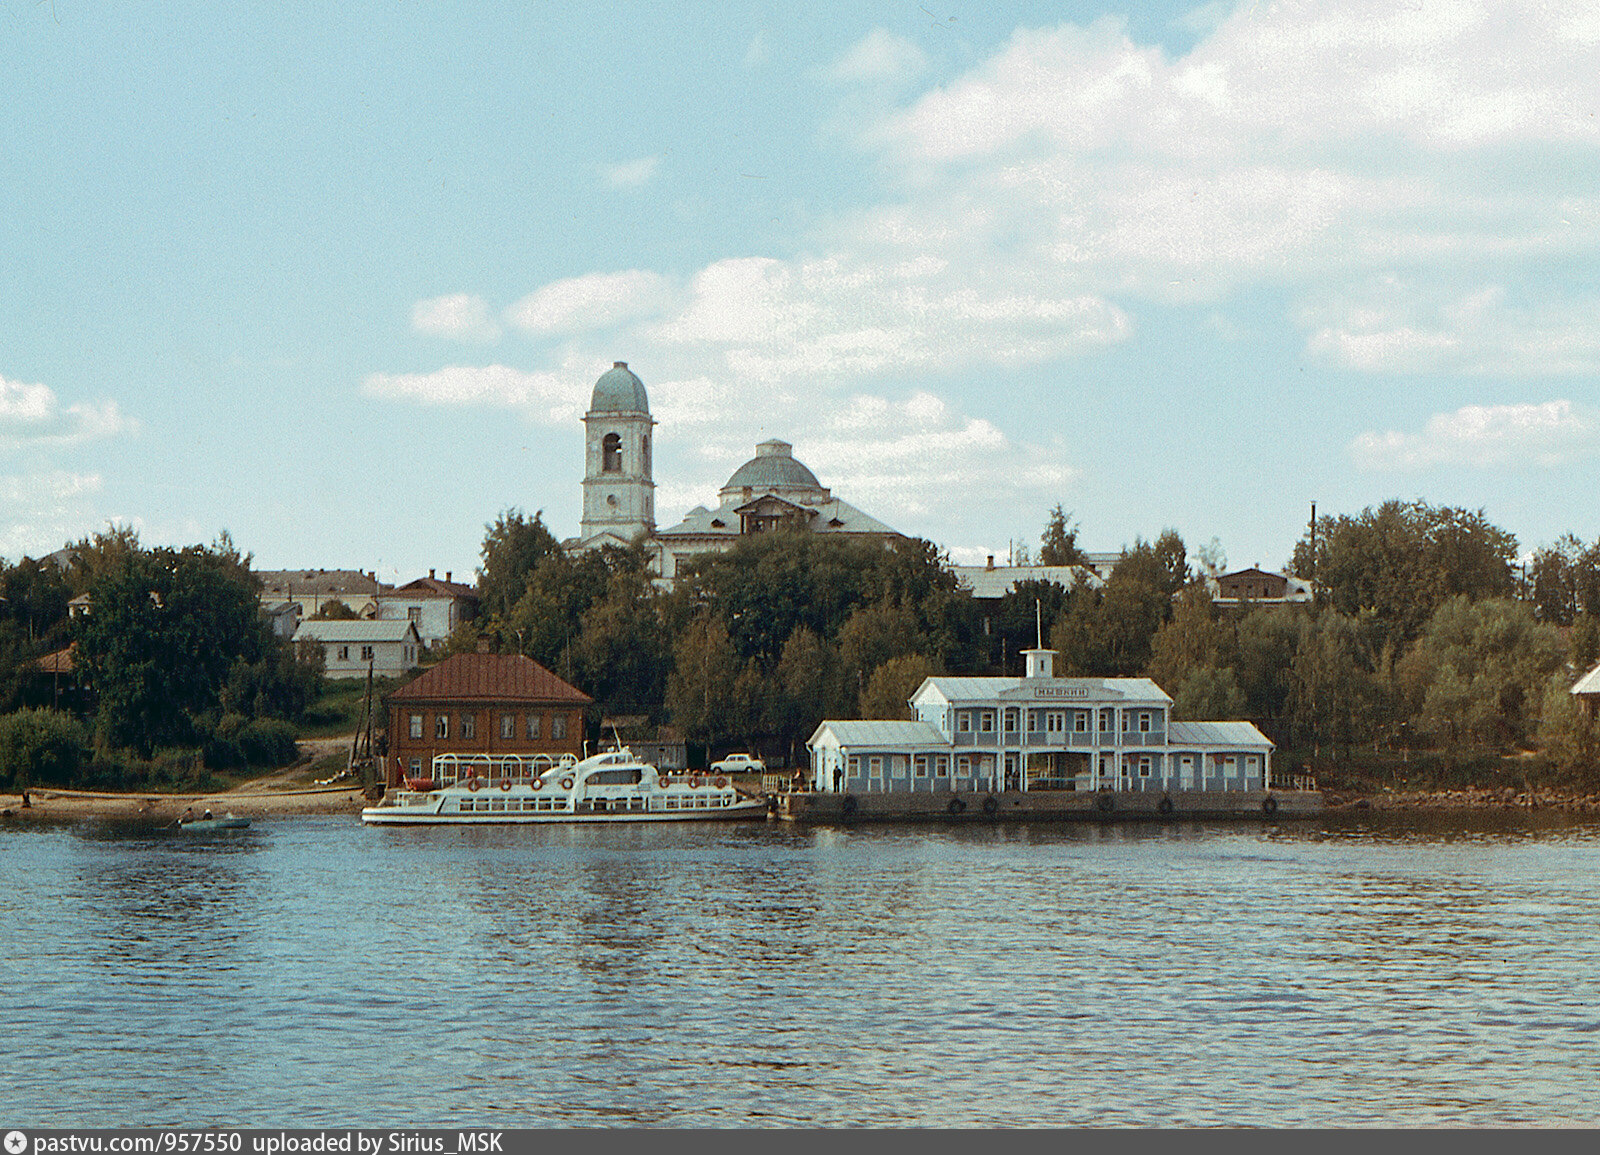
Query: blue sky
point(339, 280)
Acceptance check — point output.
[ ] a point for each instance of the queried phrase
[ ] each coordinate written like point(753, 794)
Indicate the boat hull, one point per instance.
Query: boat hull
point(420, 816)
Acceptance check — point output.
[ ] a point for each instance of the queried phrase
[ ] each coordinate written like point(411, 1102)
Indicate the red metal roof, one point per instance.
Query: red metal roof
point(489, 678)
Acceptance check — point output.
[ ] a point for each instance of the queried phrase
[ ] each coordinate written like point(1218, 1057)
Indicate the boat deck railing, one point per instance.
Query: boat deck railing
point(451, 768)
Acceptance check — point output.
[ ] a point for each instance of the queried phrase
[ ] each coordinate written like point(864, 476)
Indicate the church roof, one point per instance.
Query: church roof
point(831, 516)
point(773, 467)
point(619, 391)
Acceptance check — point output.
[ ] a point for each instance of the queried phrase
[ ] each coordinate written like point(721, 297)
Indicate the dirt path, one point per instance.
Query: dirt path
point(278, 793)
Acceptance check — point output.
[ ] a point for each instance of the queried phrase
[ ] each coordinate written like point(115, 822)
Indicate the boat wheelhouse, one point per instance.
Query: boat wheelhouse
point(612, 786)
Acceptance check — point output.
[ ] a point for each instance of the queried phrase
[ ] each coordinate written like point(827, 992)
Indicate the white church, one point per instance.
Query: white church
point(771, 490)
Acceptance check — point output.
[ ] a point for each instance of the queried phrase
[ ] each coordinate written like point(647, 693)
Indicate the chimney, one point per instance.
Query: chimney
point(430, 575)
point(991, 562)
point(483, 643)
point(447, 575)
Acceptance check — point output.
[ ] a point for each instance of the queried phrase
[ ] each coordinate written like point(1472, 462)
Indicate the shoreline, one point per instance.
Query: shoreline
point(54, 804)
point(58, 804)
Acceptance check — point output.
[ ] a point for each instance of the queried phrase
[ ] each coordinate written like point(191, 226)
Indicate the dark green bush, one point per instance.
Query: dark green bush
point(41, 747)
point(268, 742)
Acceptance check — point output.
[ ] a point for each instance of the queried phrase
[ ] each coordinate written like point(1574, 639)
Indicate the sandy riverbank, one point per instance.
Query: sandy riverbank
point(70, 805)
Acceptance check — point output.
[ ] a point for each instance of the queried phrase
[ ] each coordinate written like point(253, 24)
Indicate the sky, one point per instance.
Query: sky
point(338, 280)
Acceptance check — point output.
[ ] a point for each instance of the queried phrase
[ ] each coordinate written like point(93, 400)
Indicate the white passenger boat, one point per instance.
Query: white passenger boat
point(613, 786)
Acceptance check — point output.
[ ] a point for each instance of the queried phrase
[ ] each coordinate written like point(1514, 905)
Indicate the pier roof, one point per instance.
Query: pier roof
point(1215, 734)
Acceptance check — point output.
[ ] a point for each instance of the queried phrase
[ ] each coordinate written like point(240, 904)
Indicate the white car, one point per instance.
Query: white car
point(739, 764)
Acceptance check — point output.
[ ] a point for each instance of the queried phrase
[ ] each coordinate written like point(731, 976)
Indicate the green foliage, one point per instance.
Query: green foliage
point(1059, 543)
point(1478, 672)
point(1108, 632)
point(1564, 580)
point(334, 610)
point(1208, 694)
point(1403, 560)
point(700, 688)
point(40, 747)
point(1569, 734)
point(170, 636)
point(512, 548)
point(891, 685)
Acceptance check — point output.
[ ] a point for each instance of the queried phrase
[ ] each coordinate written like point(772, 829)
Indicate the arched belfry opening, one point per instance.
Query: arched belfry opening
point(618, 492)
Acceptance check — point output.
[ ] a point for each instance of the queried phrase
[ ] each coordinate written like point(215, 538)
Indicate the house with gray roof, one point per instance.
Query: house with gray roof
point(348, 647)
point(1038, 732)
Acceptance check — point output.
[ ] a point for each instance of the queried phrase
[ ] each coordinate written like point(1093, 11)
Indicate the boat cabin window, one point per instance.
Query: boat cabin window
point(623, 776)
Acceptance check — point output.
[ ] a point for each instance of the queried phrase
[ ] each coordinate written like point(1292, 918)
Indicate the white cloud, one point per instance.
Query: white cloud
point(548, 398)
point(594, 301)
point(458, 315)
point(41, 512)
point(880, 57)
point(832, 318)
point(1549, 434)
point(632, 173)
point(32, 415)
point(1393, 325)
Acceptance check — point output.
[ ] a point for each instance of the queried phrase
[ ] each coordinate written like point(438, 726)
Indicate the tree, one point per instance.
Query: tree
point(1477, 673)
point(705, 667)
point(1059, 544)
point(1108, 632)
point(40, 747)
point(1208, 694)
point(874, 634)
point(802, 677)
point(1333, 694)
point(164, 631)
point(512, 547)
point(1403, 559)
point(334, 610)
point(1194, 639)
point(891, 685)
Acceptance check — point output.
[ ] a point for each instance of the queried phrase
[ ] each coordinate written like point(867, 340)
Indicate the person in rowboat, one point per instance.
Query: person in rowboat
point(186, 817)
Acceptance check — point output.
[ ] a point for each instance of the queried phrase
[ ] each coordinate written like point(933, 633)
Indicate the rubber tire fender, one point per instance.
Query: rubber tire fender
point(956, 807)
point(1165, 806)
point(1106, 803)
point(850, 805)
point(1269, 806)
point(991, 804)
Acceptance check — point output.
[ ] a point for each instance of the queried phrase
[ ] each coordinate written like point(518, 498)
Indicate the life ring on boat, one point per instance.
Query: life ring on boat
point(694, 781)
point(1165, 806)
point(505, 784)
point(1269, 806)
point(956, 806)
point(850, 804)
point(991, 804)
point(720, 782)
point(566, 783)
point(473, 784)
point(1106, 803)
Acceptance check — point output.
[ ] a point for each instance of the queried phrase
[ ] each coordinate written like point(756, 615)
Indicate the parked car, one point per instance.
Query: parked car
point(739, 764)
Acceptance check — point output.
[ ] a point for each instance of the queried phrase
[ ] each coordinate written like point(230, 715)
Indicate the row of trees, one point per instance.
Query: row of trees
point(174, 654)
point(1421, 633)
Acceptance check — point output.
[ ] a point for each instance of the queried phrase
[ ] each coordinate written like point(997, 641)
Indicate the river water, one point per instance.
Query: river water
point(311, 972)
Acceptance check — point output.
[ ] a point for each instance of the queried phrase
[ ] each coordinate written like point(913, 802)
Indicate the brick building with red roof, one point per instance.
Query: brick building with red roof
point(481, 704)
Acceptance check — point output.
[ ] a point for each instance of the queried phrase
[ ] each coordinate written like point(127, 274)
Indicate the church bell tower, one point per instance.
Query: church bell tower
point(619, 497)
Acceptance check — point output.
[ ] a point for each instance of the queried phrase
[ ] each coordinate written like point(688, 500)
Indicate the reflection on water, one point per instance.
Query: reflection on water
point(1377, 970)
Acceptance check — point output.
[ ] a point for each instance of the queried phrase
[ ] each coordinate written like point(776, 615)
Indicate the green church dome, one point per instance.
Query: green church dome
point(773, 467)
point(619, 391)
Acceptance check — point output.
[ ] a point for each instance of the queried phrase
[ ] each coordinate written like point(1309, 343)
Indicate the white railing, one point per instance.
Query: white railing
point(449, 768)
